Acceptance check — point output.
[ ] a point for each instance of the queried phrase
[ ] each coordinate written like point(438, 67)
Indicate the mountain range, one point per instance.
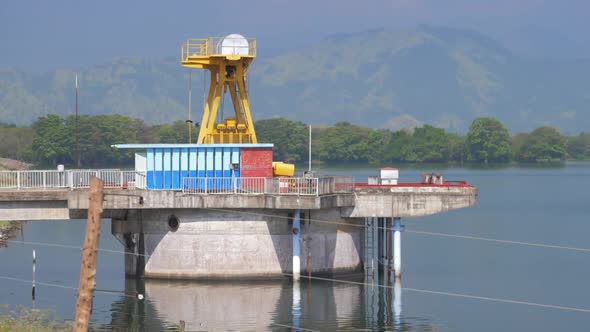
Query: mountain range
point(380, 78)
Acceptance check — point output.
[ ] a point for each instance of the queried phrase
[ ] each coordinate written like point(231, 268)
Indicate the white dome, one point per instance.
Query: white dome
point(234, 44)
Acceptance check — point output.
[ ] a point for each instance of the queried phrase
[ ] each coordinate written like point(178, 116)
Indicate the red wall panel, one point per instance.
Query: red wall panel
point(256, 162)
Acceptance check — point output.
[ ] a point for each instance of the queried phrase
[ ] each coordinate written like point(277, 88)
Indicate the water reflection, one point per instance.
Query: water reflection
point(265, 305)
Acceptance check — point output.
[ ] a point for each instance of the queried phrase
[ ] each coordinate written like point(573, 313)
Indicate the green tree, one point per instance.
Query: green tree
point(344, 142)
point(290, 138)
point(543, 144)
point(400, 147)
point(578, 147)
point(15, 142)
point(488, 141)
point(377, 143)
point(455, 148)
point(53, 141)
point(177, 132)
point(430, 144)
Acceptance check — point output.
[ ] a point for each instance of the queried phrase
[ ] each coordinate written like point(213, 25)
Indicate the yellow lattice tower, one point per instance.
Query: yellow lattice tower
point(228, 60)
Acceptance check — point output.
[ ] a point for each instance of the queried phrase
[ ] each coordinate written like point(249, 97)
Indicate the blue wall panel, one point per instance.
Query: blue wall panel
point(235, 159)
point(210, 162)
point(150, 168)
point(167, 166)
point(176, 169)
point(201, 170)
point(192, 167)
point(158, 169)
point(218, 160)
point(167, 169)
point(227, 162)
point(184, 165)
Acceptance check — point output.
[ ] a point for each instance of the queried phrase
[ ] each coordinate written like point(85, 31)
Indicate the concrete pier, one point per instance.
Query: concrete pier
point(235, 243)
point(170, 234)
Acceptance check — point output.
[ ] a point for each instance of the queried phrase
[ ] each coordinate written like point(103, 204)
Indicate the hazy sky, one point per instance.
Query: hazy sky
point(68, 33)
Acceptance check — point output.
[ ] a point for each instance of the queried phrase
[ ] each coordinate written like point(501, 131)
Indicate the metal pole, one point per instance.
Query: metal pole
point(389, 254)
point(296, 245)
point(89, 253)
point(397, 250)
point(190, 107)
point(296, 308)
point(309, 148)
point(384, 249)
point(77, 128)
point(397, 303)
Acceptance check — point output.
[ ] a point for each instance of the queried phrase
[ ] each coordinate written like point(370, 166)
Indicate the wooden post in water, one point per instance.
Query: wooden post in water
point(34, 276)
point(89, 253)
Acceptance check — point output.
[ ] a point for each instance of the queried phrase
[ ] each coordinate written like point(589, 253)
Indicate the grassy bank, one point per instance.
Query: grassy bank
point(30, 320)
point(7, 230)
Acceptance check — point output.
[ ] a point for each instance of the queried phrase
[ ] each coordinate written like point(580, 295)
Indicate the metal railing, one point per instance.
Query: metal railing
point(224, 185)
point(113, 178)
point(72, 179)
point(218, 46)
point(272, 186)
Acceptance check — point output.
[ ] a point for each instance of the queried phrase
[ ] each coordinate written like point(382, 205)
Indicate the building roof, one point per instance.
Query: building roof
point(160, 146)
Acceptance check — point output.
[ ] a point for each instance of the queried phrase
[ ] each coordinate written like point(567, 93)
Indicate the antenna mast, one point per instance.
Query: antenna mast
point(189, 122)
point(310, 148)
point(77, 128)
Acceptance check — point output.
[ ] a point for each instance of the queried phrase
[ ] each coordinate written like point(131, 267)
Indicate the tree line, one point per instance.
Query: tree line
point(487, 141)
point(52, 140)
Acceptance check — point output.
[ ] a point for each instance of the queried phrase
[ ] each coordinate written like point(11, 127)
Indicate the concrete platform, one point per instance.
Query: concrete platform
point(376, 201)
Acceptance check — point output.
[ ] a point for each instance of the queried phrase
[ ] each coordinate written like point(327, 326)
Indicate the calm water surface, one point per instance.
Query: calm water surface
point(550, 206)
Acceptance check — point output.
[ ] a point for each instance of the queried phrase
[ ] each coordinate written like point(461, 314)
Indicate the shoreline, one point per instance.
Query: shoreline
point(7, 230)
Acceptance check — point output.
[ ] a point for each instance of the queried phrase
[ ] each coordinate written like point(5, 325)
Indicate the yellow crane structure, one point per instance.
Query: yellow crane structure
point(228, 60)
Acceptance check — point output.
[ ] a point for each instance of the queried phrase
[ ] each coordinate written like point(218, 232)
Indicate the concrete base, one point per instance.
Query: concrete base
point(246, 243)
point(34, 210)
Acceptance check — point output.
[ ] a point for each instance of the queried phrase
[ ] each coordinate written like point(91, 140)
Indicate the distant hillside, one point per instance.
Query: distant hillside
point(379, 78)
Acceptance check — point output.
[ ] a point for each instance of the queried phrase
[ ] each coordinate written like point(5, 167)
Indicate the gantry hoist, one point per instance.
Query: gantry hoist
point(228, 60)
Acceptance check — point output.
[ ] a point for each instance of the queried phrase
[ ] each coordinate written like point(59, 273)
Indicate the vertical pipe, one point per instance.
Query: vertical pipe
point(296, 245)
point(389, 232)
point(140, 260)
point(366, 248)
point(77, 128)
point(397, 250)
point(296, 306)
point(385, 239)
point(397, 304)
point(308, 242)
point(309, 149)
point(190, 106)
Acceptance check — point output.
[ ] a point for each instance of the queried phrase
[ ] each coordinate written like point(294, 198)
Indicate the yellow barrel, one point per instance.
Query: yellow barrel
point(283, 169)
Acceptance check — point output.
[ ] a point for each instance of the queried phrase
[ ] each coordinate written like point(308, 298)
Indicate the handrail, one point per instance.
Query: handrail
point(250, 186)
point(72, 179)
point(445, 184)
point(130, 179)
point(202, 47)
